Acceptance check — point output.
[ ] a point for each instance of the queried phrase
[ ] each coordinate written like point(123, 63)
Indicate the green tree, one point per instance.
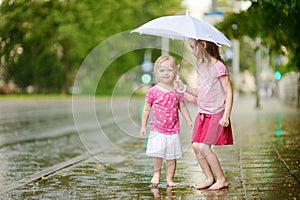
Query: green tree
point(43, 42)
point(276, 22)
point(32, 50)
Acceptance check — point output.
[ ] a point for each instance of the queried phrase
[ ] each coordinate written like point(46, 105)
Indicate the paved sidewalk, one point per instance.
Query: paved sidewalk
point(262, 164)
point(264, 161)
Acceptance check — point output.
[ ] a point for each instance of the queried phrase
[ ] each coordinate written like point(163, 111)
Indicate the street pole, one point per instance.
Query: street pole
point(257, 69)
point(298, 94)
point(214, 5)
point(164, 46)
point(236, 66)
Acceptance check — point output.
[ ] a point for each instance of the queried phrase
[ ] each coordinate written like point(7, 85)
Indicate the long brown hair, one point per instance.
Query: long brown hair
point(211, 48)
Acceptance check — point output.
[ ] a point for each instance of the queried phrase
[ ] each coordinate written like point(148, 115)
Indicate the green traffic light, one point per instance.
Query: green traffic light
point(146, 78)
point(277, 75)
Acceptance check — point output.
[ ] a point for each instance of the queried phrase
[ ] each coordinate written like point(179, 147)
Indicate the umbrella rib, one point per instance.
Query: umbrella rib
point(180, 60)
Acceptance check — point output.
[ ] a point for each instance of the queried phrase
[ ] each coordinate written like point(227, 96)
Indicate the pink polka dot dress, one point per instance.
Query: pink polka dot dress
point(164, 110)
point(164, 138)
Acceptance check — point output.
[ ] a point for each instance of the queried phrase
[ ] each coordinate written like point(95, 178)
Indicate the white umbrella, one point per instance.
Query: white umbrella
point(182, 27)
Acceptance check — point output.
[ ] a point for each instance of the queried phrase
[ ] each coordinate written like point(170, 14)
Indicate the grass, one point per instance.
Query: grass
point(56, 96)
point(34, 96)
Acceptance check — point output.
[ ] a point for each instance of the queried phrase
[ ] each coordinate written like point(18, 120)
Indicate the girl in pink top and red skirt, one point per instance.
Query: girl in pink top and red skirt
point(214, 99)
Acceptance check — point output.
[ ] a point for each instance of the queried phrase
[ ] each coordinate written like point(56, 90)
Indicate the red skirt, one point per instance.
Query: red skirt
point(208, 130)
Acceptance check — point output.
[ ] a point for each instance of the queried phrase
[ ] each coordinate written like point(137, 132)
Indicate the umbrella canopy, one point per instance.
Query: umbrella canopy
point(182, 27)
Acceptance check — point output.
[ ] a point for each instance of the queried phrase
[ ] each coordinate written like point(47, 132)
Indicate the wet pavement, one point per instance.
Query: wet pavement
point(43, 155)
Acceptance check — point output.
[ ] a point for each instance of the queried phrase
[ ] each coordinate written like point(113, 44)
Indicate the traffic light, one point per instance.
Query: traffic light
point(277, 75)
point(147, 67)
point(146, 78)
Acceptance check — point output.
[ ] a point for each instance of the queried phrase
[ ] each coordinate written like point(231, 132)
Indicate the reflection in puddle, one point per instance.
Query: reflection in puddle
point(158, 195)
point(214, 194)
point(176, 193)
point(278, 131)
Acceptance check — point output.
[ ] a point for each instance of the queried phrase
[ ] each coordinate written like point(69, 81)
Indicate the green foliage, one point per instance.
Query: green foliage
point(276, 22)
point(43, 43)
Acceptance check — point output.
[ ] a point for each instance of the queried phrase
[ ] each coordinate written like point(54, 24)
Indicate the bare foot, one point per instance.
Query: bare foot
point(219, 185)
point(155, 180)
point(171, 184)
point(205, 185)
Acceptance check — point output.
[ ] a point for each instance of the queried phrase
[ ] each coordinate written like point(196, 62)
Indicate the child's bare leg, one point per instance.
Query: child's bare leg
point(170, 168)
point(201, 150)
point(157, 164)
point(208, 175)
point(217, 169)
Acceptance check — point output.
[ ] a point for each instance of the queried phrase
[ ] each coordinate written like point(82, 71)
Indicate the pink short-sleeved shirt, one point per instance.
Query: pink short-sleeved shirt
point(164, 110)
point(211, 95)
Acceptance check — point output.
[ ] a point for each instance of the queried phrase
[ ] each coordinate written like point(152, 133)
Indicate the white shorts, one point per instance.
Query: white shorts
point(164, 146)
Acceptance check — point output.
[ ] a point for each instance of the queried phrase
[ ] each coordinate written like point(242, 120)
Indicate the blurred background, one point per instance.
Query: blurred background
point(43, 43)
point(54, 145)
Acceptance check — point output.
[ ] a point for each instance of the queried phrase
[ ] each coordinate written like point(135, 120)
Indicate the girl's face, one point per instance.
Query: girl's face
point(165, 72)
point(197, 50)
point(194, 48)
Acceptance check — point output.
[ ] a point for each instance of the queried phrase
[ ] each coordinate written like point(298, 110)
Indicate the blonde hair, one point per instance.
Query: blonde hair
point(162, 59)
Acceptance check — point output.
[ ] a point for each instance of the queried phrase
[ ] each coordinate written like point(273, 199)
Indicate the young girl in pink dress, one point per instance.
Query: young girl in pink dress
point(163, 102)
point(214, 99)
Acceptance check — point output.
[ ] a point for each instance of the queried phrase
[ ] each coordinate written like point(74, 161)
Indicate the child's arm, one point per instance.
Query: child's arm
point(185, 88)
point(186, 114)
point(145, 116)
point(229, 100)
